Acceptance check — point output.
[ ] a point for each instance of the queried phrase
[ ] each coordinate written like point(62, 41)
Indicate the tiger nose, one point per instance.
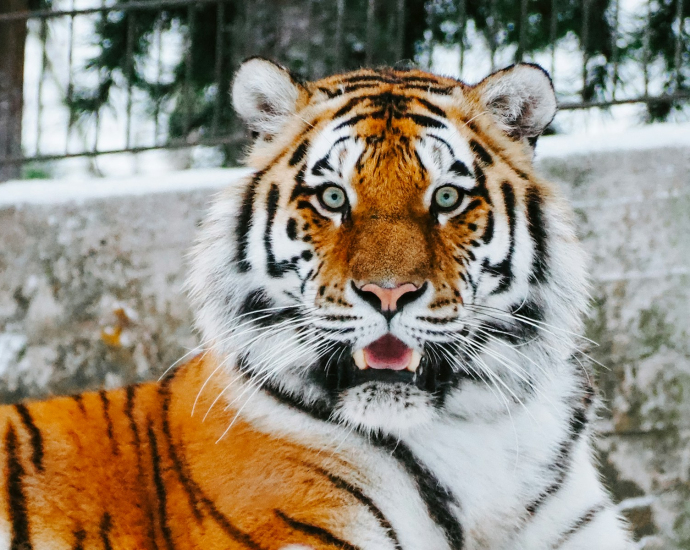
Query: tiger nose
point(389, 300)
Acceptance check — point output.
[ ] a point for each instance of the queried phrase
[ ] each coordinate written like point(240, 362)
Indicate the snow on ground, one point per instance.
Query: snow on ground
point(82, 188)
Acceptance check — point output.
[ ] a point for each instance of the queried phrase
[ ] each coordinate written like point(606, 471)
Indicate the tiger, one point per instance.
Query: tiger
point(390, 309)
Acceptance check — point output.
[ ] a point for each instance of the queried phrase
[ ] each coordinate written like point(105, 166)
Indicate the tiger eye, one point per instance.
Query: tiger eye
point(333, 197)
point(447, 197)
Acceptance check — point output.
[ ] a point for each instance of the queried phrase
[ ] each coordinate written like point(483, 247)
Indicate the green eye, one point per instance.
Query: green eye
point(333, 197)
point(447, 197)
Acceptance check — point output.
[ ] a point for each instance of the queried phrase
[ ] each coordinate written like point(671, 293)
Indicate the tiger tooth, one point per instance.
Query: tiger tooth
point(358, 357)
point(414, 361)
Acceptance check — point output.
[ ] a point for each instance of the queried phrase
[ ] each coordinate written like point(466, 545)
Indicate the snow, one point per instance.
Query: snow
point(20, 192)
point(653, 136)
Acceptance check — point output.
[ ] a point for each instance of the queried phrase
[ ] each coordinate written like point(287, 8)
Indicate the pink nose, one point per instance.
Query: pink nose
point(389, 296)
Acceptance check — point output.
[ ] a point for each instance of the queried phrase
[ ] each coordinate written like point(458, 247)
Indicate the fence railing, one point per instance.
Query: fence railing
point(85, 80)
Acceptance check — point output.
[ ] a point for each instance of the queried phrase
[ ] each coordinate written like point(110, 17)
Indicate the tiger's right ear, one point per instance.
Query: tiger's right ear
point(265, 95)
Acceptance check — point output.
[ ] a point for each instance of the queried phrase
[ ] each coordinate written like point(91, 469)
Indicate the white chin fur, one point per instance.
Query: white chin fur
point(386, 408)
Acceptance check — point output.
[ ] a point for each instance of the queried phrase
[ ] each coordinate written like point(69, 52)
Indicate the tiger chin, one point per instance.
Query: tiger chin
point(390, 308)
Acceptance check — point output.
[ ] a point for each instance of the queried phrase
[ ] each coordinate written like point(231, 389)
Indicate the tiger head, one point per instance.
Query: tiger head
point(393, 259)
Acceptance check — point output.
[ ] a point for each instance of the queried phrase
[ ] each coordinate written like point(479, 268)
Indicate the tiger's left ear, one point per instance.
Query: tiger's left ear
point(521, 99)
point(265, 95)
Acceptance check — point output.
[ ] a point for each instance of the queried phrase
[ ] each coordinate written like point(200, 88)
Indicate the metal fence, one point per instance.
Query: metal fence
point(87, 81)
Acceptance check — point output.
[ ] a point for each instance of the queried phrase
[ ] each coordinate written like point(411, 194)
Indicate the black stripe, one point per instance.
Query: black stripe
point(459, 169)
point(489, 228)
point(351, 121)
point(160, 489)
point(79, 399)
point(244, 221)
point(108, 421)
point(129, 413)
point(318, 409)
point(299, 187)
point(275, 269)
point(438, 499)
point(364, 499)
point(187, 484)
point(537, 230)
point(19, 517)
point(481, 153)
point(299, 153)
point(317, 532)
point(505, 269)
point(350, 105)
point(194, 492)
point(440, 90)
point(582, 522)
point(425, 121)
point(431, 107)
point(106, 524)
point(561, 465)
point(291, 229)
point(79, 537)
point(35, 433)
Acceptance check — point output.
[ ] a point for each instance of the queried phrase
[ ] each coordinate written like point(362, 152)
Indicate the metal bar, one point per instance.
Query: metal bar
point(553, 33)
point(70, 83)
point(339, 23)
point(646, 47)
point(462, 12)
point(210, 142)
point(218, 69)
point(679, 42)
point(129, 69)
point(614, 45)
point(120, 7)
point(371, 12)
point(522, 36)
point(43, 35)
point(584, 41)
point(400, 30)
point(492, 34)
point(159, 72)
point(186, 93)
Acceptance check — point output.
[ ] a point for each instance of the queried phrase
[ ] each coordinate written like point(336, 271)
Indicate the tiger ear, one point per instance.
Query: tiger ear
point(265, 95)
point(521, 99)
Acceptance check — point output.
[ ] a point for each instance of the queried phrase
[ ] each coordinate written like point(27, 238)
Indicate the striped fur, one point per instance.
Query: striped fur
point(272, 439)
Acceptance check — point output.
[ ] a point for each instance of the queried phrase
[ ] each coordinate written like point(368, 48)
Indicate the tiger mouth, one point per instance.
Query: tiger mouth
point(388, 361)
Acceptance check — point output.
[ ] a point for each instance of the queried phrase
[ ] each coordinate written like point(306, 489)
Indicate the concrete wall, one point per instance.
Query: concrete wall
point(90, 296)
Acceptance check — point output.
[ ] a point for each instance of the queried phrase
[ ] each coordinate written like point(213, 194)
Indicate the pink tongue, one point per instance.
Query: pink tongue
point(387, 353)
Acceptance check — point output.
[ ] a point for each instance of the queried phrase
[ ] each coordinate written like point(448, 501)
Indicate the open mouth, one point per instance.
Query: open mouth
point(387, 353)
point(387, 361)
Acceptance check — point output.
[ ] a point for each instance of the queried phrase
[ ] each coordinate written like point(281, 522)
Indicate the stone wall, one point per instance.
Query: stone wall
point(91, 296)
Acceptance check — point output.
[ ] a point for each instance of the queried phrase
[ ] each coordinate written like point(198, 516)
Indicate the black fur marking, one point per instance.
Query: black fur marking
point(14, 483)
point(129, 413)
point(108, 421)
point(581, 522)
point(425, 121)
point(255, 305)
point(481, 153)
point(244, 222)
point(480, 190)
point(79, 537)
point(291, 229)
point(489, 228)
point(459, 169)
point(79, 399)
point(317, 532)
point(431, 107)
point(561, 465)
point(299, 153)
point(299, 188)
point(275, 269)
point(537, 230)
point(321, 165)
point(505, 269)
point(438, 499)
point(104, 529)
point(161, 493)
point(439, 90)
point(35, 436)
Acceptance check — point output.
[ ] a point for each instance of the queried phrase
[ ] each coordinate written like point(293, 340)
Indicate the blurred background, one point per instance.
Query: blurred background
point(116, 129)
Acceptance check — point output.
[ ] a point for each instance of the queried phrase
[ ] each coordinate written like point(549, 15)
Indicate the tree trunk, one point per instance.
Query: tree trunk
point(12, 42)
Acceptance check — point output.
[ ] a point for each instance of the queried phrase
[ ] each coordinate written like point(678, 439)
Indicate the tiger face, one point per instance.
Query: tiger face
point(393, 259)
